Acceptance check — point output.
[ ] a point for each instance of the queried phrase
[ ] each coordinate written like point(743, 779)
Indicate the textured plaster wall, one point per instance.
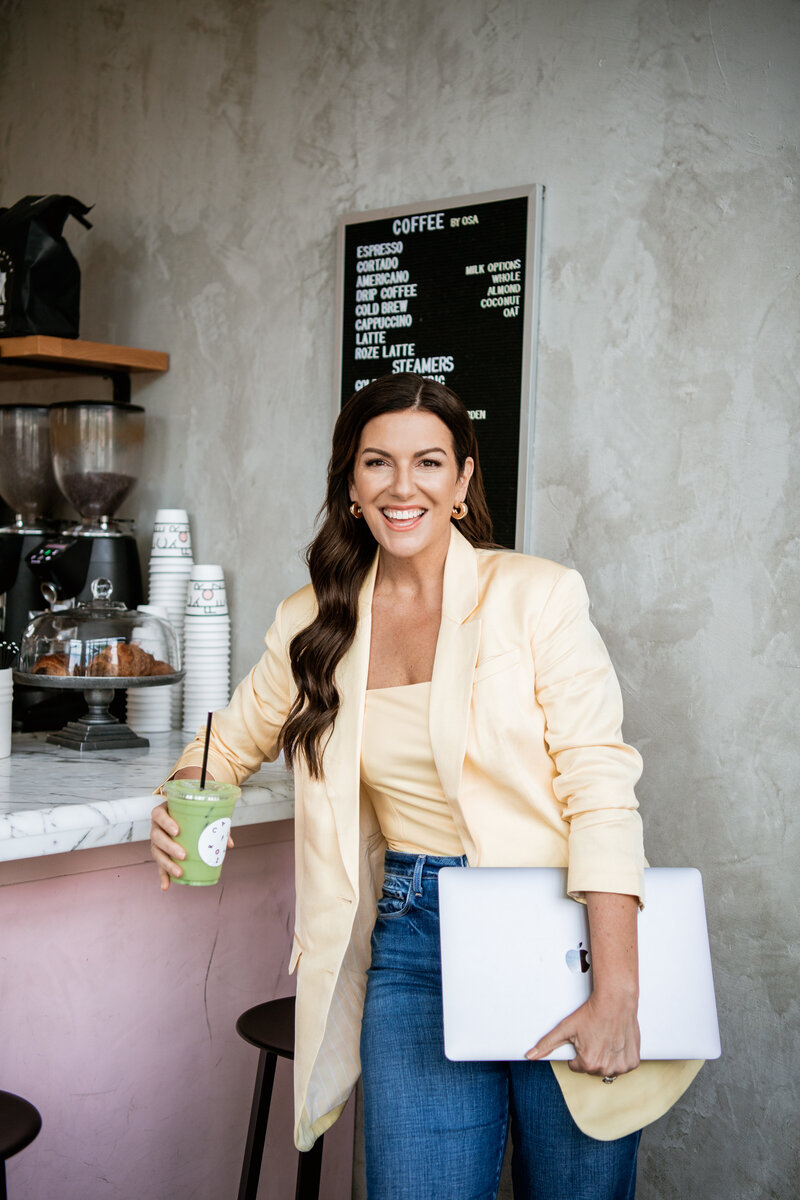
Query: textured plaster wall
point(221, 139)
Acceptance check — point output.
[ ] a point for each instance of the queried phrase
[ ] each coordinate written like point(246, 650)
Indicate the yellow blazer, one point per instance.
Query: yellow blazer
point(525, 726)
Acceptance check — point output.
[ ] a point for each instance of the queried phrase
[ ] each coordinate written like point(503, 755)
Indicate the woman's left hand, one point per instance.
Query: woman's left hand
point(604, 1032)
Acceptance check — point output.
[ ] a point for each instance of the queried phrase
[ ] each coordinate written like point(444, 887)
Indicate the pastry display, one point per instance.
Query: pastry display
point(117, 660)
point(99, 648)
point(100, 640)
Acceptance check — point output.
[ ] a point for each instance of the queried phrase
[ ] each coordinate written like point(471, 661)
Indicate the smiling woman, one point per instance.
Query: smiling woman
point(405, 453)
point(406, 478)
point(443, 701)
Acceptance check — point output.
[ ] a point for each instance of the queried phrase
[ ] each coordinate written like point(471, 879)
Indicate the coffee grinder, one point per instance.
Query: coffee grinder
point(28, 486)
point(97, 450)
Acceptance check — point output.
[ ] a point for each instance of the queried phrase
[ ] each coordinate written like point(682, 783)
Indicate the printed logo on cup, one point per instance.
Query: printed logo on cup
point(207, 596)
point(213, 840)
point(172, 538)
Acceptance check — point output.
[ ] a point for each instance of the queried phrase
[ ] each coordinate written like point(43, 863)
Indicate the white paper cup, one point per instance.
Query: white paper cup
point(170, 599)
point(167, 573)
point(150, 714)
point(171, 535)
point(206, 598)
point(169, 578)
point(170, 543)
point(172, 514)
point(156, 610)
point(206, 571)
point(6, 698)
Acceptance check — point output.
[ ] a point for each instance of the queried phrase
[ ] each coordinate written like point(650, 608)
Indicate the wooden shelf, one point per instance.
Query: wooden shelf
point(38, 357)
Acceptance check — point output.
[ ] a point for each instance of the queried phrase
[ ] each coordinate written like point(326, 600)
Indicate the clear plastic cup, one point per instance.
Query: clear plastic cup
point(204, 817)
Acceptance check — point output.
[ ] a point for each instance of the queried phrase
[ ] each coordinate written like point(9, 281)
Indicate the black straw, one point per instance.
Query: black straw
point(205, 752)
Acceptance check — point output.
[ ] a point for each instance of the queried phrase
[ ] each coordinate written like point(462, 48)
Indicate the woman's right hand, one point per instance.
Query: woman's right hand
point(162, 847)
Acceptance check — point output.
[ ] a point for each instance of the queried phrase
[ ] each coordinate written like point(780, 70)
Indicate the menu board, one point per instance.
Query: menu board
point(449, 290)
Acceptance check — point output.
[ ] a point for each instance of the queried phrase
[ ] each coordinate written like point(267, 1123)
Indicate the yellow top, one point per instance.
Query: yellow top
point(399, 773)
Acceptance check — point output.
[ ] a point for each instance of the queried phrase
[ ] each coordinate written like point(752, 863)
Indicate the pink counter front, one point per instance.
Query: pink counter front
point(119, 1002)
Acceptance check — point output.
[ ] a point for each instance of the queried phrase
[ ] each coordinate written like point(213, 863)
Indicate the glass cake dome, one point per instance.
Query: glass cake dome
point(100, 640)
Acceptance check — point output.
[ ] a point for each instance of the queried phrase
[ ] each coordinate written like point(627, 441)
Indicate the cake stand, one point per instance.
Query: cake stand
point(98, 730)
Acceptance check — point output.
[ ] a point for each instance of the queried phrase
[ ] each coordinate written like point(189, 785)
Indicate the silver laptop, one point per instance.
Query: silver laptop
point(516, 960)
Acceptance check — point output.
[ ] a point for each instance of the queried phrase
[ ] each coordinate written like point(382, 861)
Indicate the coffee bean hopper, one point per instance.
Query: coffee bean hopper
point(29, 489)
point(97, 451)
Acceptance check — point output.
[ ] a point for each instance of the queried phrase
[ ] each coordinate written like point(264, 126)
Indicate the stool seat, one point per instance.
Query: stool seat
point(20, 1122)
point(270, 1027)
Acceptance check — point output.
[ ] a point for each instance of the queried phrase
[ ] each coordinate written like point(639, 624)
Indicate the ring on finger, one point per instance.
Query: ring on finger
point(609, 1078)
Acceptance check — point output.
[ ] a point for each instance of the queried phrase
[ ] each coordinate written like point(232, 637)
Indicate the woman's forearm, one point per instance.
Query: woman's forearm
point(614, 946)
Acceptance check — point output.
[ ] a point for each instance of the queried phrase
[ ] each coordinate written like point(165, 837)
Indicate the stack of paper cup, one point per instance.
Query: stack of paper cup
point(207, 636)
point(6, 697)
point(149, 710)
point(170, 566)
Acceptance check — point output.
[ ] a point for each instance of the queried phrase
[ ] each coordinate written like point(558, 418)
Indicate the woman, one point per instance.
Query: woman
point(442, 701)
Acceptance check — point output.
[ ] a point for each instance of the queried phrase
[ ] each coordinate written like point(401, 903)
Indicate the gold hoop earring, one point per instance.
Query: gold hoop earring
point(355, 510)
point(460, 511)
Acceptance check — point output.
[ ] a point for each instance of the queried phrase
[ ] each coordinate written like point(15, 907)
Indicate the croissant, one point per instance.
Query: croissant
point(161, 668)
point(51, 664)
point(120, 660)
point(127, 659)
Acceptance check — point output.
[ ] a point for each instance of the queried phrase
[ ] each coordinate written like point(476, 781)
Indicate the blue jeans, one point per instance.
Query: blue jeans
point(435, 1128)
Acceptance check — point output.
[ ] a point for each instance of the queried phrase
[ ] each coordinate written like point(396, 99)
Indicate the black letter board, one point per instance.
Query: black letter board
point(450, 290)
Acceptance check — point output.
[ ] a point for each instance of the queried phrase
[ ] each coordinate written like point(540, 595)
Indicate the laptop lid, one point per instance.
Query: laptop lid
point(516, 960)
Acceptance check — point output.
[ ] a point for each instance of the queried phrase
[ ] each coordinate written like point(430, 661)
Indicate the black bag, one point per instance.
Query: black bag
point(40, 280)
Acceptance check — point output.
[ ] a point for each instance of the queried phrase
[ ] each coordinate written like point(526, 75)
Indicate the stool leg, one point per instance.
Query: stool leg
point(257, 1131)
point(309, 1169)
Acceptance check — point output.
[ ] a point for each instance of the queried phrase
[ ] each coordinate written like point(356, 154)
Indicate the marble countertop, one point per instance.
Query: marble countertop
point(54, 800)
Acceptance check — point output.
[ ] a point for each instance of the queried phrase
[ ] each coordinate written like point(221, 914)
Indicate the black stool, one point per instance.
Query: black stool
point(19, 1124)
point(270, 1027)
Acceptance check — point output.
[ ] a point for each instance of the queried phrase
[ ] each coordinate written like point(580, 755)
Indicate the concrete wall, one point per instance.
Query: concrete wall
point(220, 140)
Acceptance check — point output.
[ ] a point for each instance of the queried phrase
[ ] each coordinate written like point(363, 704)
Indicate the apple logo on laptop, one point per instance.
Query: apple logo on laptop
point(578, 960)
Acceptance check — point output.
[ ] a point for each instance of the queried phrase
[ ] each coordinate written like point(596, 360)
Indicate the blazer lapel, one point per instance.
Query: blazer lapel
point(454, 664)
point(342, 757)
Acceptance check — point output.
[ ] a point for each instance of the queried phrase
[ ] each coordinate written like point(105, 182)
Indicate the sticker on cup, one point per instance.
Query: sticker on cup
point(213, 840)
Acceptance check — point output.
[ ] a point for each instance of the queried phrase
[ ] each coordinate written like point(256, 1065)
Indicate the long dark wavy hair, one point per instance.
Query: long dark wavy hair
point(342, 552)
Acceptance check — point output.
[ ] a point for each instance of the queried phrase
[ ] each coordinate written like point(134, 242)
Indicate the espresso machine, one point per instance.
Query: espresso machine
point(97, 451)
point(28, 486)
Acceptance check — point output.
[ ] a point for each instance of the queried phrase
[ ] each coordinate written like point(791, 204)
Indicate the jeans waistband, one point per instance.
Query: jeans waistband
point(397, 862)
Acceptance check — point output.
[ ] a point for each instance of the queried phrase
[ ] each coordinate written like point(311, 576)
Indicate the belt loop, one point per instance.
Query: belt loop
point(416, 882)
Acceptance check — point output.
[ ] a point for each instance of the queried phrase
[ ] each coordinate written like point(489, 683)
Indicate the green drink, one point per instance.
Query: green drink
point(204, 817)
